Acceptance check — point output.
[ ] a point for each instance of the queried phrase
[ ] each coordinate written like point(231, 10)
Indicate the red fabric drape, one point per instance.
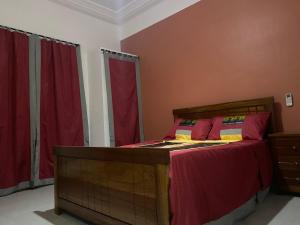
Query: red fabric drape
point(124, 101)
point(61, 115)
point(14, 109)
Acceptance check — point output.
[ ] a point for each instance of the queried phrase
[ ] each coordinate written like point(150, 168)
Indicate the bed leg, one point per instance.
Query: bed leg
point(58, 211)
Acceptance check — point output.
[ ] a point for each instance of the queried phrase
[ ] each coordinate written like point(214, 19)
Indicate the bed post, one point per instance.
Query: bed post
point(162, 177)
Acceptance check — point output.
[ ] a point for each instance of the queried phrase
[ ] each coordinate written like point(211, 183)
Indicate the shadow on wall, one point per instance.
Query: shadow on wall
point(65, 218)
point(278, 110)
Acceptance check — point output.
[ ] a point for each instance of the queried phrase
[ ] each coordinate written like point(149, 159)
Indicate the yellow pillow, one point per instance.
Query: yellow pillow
point(183, 135)
point(231, 134)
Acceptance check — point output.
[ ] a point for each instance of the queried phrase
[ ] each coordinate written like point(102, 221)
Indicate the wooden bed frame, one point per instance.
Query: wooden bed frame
point(113, 186)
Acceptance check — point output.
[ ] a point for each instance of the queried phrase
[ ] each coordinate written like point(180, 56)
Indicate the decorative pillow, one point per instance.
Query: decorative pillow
point(190, 129)
point(251, 126)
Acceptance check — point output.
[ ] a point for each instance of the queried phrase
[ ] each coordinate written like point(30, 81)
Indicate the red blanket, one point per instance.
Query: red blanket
point(207, 183)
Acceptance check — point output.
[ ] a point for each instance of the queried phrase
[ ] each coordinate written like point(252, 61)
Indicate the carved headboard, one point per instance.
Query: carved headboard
point(230, 109)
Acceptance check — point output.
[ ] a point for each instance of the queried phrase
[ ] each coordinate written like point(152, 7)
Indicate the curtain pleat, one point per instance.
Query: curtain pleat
point(60, 105)
point(15, 156)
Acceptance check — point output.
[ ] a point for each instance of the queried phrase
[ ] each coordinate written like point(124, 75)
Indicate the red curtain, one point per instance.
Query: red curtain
point(124, 101)
point(14, 109)
point(60, 115)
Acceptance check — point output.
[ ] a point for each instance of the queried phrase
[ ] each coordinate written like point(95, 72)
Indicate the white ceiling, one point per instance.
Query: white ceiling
point(113, 11)
point(114, 5)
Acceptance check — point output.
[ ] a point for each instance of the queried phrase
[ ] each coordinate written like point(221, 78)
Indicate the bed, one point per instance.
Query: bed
point(137, 185)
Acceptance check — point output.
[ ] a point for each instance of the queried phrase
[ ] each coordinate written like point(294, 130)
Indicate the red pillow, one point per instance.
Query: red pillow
point(251, 126)
point(199, 129)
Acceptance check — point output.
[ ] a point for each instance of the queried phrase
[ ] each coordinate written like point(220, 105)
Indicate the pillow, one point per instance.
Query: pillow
point(190, 129)
point(251, 127)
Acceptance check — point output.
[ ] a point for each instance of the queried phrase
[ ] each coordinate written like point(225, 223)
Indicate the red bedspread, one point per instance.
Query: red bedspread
point(207, 183)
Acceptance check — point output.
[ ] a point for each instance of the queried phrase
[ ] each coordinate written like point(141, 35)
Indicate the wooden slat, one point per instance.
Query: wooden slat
point(131, 155)
point(57, 210)
point(87, 214)
point(230, 108)
point(122, 190)
point(162, 174)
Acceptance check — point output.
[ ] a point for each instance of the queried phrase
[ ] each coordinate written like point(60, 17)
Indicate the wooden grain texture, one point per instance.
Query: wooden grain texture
point(162, 197)
point(121, 190)
point(231, 109)
point(132, 155)
point(90, 215)
point(56, 207)
point(286, 161)
point(283, 134)
point(118, 186)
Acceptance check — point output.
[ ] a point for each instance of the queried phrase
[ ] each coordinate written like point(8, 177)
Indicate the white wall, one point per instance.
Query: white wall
point(50, 19)
point(53, 20)
point(153, 15)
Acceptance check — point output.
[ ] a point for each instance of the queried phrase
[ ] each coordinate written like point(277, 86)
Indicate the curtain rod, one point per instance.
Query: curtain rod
point(42, 36)
point(119, 53)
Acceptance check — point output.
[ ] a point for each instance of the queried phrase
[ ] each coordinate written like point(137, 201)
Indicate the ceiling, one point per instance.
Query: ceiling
point(114, 5)
point(113, 11)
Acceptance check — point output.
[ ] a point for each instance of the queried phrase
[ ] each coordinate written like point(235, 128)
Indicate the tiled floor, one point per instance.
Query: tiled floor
point(275, 210)
point(35, 207)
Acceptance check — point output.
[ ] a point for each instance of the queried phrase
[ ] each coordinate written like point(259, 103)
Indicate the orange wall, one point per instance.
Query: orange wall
point(217, 51)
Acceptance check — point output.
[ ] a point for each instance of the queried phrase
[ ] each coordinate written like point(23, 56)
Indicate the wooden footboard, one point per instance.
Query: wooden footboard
point(113, 186)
